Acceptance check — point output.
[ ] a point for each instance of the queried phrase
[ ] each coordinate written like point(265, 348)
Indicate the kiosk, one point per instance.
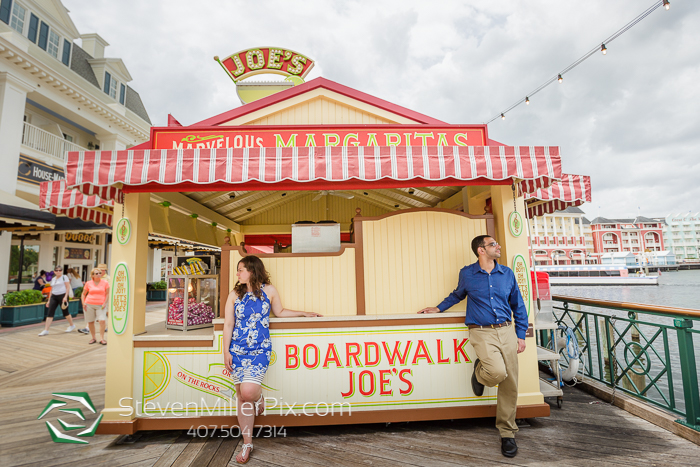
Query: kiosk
point(416, 190)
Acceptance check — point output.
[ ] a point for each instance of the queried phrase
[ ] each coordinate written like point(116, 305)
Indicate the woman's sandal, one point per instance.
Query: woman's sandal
point(103, 342)
point(247, 449)
point(92, 342)
point(260, 406)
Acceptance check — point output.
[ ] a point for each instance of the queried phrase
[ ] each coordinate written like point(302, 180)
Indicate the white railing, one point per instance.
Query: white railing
point(43, 141)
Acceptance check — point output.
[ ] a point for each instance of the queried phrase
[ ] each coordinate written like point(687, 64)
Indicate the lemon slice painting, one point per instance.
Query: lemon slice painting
point(156, 375)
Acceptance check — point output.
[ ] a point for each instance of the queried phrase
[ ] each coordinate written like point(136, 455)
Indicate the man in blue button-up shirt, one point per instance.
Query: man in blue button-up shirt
point(494, 302)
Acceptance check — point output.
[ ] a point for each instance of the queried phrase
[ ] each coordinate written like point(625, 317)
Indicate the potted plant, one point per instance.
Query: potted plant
point(155, 291)
point(22, 307)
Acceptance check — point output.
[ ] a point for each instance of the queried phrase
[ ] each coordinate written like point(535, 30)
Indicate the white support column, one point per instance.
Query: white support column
point(112, 142)
point(13, 98)
point(544, 221)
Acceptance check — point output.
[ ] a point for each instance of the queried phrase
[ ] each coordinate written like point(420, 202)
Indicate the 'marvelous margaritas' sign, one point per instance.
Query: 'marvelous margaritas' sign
point(303, 136)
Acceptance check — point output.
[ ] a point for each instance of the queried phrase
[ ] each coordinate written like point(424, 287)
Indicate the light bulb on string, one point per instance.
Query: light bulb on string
point(503, 117)
point(667, 4)
point(527, 100)
point(559, 78)
point(603, 49)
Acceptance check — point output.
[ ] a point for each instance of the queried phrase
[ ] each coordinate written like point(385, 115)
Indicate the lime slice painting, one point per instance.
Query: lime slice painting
point(156, 375)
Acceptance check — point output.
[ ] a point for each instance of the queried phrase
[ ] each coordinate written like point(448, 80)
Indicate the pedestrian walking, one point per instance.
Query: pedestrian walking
point(60, 292)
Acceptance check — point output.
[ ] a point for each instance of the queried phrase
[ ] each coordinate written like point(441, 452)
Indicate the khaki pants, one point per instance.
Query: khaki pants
point(497, 349)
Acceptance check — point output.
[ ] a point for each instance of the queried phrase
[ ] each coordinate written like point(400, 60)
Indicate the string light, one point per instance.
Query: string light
point(602, 48)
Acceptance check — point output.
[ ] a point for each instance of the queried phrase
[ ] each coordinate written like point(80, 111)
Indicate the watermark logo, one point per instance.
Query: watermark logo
point(80, 397)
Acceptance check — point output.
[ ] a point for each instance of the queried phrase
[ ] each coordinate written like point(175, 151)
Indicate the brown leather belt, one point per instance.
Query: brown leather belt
point(503, 324)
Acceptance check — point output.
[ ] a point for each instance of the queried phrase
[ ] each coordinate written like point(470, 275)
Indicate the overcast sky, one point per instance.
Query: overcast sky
point(629, 119)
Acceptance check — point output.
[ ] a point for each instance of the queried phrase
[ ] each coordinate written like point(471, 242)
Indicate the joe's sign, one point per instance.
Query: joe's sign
point(249, 62)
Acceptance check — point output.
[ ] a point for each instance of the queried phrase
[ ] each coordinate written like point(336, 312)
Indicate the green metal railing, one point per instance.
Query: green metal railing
point(652, 358)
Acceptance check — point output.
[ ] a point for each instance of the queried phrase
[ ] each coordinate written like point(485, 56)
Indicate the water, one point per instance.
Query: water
point(676, 289)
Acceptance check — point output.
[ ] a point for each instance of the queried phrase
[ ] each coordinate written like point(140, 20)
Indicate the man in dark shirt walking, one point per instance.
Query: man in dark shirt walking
point(494, 297)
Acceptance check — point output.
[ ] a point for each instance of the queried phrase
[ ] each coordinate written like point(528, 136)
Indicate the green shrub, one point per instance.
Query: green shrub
point(78, 292)
point(156, 285)
point(23, 297)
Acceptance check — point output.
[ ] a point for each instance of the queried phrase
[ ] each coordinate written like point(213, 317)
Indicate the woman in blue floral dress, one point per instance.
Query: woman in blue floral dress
point(247, 345)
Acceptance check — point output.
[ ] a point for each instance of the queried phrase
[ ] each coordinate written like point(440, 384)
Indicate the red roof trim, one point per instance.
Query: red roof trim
point(310, 86)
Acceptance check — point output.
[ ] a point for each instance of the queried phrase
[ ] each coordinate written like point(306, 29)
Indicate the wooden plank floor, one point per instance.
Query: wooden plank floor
point(585, 431)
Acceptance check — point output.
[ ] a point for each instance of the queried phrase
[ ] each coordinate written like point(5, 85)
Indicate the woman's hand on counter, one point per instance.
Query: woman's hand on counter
point(310, 314)
point(228, 361)
point(430, 309)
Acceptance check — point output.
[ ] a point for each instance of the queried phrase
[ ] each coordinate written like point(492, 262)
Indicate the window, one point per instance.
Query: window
point(66, 52)
point(43, 35)
point(33, 27)
point(30, 264)
point(122, 94)
point(113, 88)
point(17, 21)
point(5, 6)
point(53, 44)
point(108, 79)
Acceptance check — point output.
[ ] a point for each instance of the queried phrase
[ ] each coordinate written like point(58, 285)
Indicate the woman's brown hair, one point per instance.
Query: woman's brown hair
point(258, 276)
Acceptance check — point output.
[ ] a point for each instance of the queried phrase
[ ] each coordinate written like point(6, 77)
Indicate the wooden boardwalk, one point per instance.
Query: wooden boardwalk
point(585, 431)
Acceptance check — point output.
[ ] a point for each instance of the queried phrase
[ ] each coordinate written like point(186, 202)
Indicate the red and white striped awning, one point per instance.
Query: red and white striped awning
point(301, 168)
point(572, 190)
point(56, 198)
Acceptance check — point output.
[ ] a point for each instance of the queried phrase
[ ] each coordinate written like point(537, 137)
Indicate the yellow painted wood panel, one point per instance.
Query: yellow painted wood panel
point(413, 260)
point(304, 209)
point(322, 284)
point(319, 111)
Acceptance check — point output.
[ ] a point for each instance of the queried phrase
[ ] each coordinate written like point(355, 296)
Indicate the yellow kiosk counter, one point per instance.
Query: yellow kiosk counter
point(371, 358)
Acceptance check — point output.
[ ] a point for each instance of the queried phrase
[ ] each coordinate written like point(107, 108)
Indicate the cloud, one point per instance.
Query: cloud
point(629, 118)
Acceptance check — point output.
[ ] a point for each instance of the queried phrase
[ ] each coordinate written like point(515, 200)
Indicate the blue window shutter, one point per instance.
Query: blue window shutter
point(122, 94)
point(5, 8)
point(108, 78)
point(43, 35)
point(33, 27)
point(66, 52)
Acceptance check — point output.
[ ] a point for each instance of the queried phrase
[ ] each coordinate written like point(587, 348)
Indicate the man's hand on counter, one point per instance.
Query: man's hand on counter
point(430, 309)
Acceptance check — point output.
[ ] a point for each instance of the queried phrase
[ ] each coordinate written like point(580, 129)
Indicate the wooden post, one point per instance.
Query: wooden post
point(119, 382)
point(512, 247)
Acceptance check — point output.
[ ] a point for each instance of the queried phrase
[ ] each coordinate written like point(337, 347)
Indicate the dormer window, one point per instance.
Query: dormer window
point(54, 42)
point(17, 20)
point(111, 85)
point(43, 35)
point(33, 27)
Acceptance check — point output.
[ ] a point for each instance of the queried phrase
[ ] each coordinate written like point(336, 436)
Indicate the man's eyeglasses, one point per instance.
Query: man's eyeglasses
point(58, 270)
point(492, 244)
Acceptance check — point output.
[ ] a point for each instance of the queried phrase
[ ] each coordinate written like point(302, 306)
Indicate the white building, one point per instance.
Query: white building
point(55, 96)
point(563, 237)
point(682, 236)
